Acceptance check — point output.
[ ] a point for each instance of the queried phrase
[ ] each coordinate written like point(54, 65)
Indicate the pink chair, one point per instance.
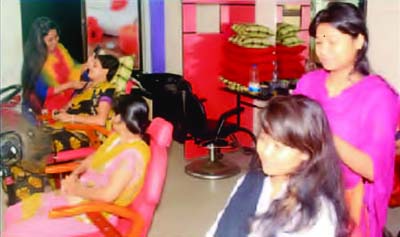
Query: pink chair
point(134, 220)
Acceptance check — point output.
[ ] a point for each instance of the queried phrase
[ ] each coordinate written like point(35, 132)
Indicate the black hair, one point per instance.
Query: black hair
point(348, 19)
point(301, 123)
point(134, 111)
point(35, 52)
point(109, 62)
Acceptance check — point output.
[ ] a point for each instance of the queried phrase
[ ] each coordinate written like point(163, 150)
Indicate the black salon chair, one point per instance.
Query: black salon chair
point(167, 93)
point(214, 135)
point(173, 100)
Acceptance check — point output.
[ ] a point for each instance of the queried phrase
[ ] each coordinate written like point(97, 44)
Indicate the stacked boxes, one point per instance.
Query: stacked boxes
point(289, 47)
point(251, 44)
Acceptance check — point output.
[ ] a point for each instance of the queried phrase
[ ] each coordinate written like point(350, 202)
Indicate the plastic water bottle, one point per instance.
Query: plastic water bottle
point(254, 82)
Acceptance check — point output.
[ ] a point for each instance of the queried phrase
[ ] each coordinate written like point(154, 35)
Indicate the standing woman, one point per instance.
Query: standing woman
point(362, 110)
point(47, 65)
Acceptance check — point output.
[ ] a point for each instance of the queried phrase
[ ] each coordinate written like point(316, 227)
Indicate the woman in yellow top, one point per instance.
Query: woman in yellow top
point(115, 173)
point(89, 105)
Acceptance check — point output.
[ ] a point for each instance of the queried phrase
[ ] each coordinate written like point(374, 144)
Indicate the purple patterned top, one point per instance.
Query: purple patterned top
point(365, 115)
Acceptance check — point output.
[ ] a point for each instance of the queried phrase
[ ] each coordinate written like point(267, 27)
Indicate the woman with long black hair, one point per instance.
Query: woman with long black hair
point(362, 110)
point(49, 73)
point(298, 190)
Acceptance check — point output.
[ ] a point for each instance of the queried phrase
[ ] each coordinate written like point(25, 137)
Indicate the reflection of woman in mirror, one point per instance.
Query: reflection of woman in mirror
point(47, 65)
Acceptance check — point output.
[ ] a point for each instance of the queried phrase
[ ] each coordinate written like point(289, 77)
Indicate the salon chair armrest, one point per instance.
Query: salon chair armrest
point(225, 116)
point(61, 168)
point(93, 211)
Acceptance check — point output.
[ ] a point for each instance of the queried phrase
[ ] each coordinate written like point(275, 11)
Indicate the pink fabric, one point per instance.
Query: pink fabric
point(41, 225)
point(366, 116)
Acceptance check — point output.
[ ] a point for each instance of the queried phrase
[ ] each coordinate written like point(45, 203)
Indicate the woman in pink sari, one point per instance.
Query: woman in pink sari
point(115, 173)
point(362, 110)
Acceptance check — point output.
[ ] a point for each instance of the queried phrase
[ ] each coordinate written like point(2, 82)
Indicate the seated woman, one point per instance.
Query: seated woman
point(298, 191)
point(90, 105)
point(114, 173)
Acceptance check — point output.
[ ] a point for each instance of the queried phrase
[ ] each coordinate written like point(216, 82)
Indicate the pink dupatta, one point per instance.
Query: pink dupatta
point(365, 115)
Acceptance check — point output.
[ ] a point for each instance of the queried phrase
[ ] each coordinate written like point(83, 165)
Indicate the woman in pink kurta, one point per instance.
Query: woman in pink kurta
point(115, 173)
point(362, 110)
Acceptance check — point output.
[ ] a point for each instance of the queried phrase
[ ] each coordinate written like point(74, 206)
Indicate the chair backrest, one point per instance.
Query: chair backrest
point(168, 92)
point(123, 74)
point(160, 132)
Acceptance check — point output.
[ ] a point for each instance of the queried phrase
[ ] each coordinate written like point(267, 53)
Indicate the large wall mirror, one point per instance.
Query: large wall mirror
point(67, 14)
point(115, 26)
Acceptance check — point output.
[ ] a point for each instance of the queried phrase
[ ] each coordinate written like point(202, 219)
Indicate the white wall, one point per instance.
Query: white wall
point(146, 34)
point(383, 19)
point(264, 16)
point(173, 36)
point(11, 52)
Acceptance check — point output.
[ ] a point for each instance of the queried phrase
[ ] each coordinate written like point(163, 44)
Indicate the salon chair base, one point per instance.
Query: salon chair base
point(213, 167)
point(207, 169)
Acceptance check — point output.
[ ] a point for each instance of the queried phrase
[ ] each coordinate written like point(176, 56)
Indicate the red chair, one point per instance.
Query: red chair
point(134, 220)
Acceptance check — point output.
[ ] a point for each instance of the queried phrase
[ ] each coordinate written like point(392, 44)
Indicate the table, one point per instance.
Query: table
point(268, 90)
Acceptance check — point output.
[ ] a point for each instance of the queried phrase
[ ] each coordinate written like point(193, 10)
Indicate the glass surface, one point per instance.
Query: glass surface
point(115, 26)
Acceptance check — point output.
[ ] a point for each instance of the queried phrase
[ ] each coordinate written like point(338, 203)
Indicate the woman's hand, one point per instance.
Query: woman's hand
point(83, 166)
point(69, 85)
point(357, 160)
point(77, 84)
point(63, 116)
point(70, 185)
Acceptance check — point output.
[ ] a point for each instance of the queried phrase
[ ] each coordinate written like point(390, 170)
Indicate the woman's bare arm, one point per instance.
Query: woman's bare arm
point(357, 160)
point(119, 180)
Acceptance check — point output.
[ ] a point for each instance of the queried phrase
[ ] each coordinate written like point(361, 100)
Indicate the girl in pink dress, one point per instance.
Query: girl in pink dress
point(115, 173)
point(362, 110)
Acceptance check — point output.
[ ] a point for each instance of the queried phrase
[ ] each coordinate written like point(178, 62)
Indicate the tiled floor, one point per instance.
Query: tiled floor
point(189, 205)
